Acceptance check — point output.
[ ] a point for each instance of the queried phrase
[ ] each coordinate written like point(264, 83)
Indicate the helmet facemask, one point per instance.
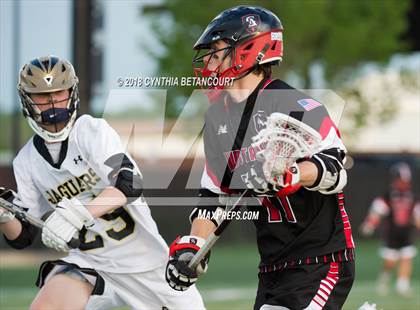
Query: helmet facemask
point(245, 57)
point(54, 116)
point(200, 65)
point(52, 124)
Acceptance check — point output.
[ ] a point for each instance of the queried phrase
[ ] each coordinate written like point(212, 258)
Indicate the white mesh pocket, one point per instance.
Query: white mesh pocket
point(284, 141)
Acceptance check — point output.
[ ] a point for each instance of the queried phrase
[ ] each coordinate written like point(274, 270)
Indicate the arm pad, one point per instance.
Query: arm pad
point(125, 176)
point(332, 177)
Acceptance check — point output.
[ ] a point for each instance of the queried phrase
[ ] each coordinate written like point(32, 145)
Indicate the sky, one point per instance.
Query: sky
point(46, 28)
point(36, 37)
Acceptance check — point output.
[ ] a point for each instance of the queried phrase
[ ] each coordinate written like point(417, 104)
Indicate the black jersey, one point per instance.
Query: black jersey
point(399, 210)
point(303, 225)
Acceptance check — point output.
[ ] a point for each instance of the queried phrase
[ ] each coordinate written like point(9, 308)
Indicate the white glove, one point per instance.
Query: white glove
point(287, 183)
point(5, 216)
point(69, 217)
point(289, 177)
point(9, 195)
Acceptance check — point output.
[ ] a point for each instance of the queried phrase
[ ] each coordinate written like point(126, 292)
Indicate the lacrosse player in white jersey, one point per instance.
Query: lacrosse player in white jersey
point(75, 174)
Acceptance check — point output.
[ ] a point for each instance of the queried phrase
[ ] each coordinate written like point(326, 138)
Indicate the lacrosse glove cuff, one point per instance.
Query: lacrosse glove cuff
point(178, 275)
point(332, 177)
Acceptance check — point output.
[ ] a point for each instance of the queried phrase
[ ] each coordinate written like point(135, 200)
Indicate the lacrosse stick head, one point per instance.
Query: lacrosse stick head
point(282, 142)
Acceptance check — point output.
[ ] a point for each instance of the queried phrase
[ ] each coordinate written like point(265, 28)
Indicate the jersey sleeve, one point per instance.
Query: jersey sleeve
point(379, 206)
point(332, 149)
point(211, 179)
point(215, 166)
point(102, 147)
point(331, 158)
point(30, 197)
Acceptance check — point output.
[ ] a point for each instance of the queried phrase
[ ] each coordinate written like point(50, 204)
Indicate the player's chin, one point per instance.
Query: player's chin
point(53, 128)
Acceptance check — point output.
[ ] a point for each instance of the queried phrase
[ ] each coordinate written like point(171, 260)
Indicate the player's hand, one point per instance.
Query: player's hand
point(64, 223)
point(178, 275)
point(366, 229)
point(288, 182)
point(9, 195)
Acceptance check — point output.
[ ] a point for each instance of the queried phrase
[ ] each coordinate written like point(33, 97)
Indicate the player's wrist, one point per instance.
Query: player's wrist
point(110, 199)
point(192, 243)
point(202, 227)
point(308, 173)
point(193, 240)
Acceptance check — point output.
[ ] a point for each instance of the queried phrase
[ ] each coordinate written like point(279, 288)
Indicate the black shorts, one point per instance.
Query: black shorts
point(398, 238)
point(325, 286)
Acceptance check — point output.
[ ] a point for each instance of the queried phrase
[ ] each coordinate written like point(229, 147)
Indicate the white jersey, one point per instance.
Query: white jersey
point(125, 240)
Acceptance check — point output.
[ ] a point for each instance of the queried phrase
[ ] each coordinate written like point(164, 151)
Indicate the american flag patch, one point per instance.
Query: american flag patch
point(309, 104)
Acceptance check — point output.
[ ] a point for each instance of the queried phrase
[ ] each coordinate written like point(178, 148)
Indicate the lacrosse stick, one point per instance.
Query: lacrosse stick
point(215, 235)
point(25, 216)
point(282, 142)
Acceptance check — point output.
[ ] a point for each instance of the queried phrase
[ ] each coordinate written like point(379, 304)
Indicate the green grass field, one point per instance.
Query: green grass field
point(232, 279)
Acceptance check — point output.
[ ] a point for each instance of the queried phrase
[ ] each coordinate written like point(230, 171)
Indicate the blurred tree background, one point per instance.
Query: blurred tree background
point(340, 36)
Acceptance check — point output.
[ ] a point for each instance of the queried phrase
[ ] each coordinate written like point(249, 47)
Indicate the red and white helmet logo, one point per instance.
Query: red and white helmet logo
point(251, 22)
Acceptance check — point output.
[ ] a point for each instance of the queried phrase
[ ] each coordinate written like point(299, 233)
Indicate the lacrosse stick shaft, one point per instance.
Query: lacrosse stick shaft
point(215, 235)
point(21, 213)
point(74, 243)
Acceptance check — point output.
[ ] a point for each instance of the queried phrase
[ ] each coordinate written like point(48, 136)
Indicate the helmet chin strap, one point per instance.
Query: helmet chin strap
point(250, 70)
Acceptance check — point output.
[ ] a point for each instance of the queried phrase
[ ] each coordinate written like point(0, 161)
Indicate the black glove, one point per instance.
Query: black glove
point(178, 275)
point(7, 194)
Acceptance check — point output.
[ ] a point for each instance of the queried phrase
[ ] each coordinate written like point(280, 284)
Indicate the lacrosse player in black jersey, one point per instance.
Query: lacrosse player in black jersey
point(281, 146)
point(399, 210)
